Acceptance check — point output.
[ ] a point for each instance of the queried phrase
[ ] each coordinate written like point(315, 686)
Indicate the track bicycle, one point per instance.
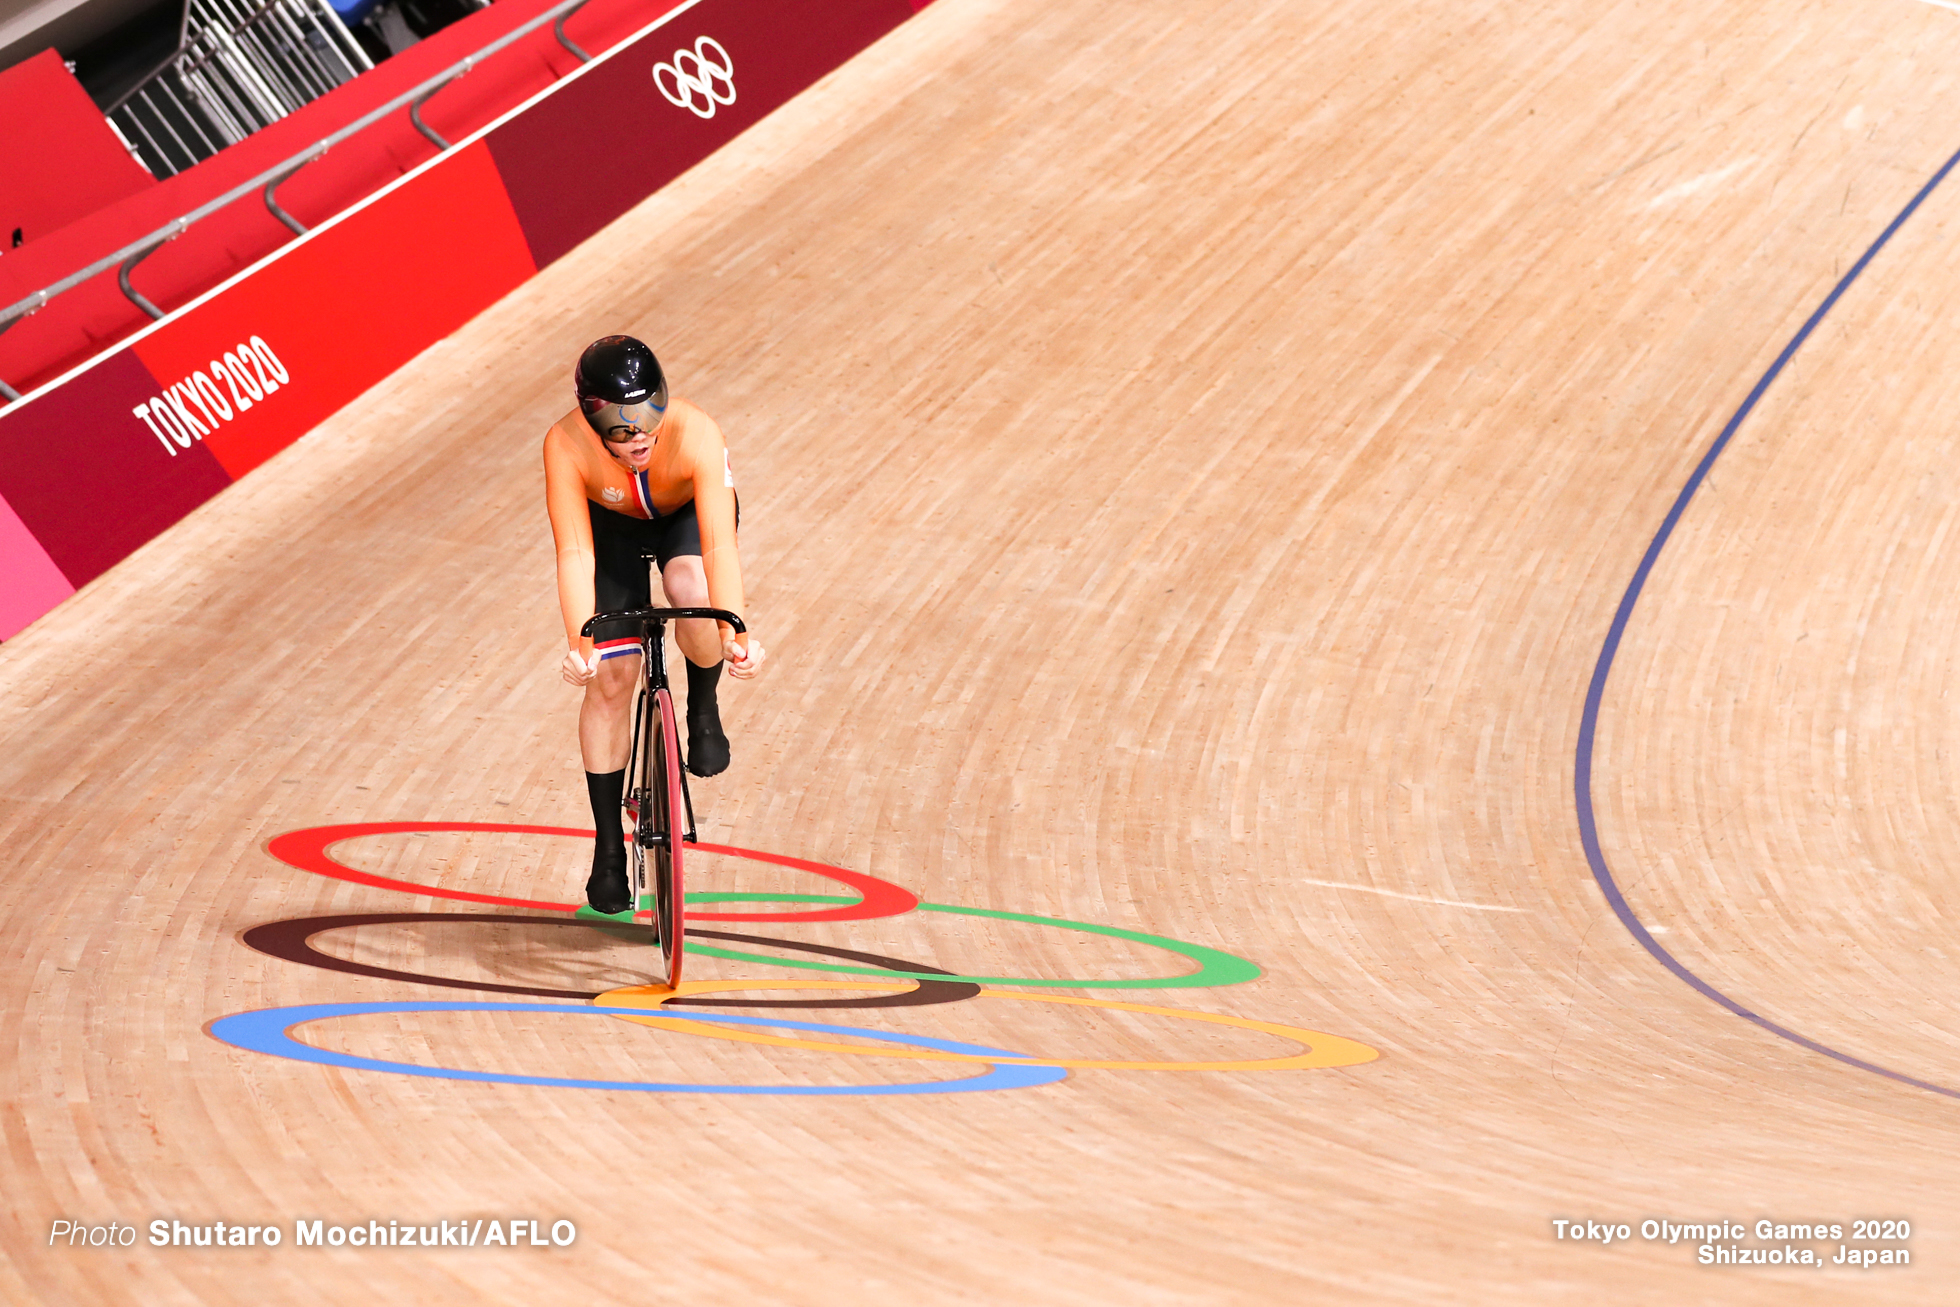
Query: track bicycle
point(657, 804)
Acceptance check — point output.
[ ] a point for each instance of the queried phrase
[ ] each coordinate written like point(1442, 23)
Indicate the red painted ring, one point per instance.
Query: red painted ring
point(307, 850)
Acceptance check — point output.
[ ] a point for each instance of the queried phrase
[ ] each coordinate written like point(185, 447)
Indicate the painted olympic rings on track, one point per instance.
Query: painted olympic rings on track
point(269, 1031)
point(924, 993)
point(292, 941)
point(1215, 966)
point(1322, 1050)
point(309, 850)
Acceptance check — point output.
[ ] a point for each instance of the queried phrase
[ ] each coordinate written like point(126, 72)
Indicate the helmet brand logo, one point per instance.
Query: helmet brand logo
point(698, 80)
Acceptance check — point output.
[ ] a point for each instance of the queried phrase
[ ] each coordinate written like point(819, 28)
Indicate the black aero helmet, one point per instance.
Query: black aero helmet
point(619, 371)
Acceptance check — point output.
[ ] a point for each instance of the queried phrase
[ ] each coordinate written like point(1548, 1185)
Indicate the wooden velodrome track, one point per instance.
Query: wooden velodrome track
point(1193, 455)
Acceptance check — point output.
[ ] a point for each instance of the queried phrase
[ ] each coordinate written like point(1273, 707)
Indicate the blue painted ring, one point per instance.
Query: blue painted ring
point(268, 1031)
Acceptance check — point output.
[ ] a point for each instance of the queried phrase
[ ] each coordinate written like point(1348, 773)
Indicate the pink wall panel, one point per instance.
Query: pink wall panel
point(30, 583)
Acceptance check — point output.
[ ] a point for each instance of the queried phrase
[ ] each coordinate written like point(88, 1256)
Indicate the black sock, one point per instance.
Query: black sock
point(707, 747)
point(701, 683)
point(607, 790)
point(606, 889)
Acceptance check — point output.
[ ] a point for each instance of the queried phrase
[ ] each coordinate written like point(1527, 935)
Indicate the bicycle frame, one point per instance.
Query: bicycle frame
point(657, 774)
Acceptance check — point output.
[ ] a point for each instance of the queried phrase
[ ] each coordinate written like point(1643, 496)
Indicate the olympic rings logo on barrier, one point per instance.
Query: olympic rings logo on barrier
point(697, 91)
point(895, 983)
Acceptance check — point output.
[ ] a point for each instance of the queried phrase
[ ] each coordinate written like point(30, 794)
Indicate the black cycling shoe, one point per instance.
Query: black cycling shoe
point(606, 889)
point(707, 747)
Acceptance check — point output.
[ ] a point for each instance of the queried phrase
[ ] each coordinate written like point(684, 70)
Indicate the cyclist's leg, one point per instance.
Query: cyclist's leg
point(686, 583)
point(605, 726)
point(604, 734)
point(620, 581)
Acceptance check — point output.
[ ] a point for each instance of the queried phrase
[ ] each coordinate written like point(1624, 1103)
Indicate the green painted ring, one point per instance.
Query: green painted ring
point(1215, 967)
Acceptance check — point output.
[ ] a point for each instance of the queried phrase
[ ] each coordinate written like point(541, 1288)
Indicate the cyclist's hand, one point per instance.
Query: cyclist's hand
point(576, 670)
point(742, 662)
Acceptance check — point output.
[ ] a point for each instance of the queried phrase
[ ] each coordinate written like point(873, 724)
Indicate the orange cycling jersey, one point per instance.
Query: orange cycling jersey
point(690, 463)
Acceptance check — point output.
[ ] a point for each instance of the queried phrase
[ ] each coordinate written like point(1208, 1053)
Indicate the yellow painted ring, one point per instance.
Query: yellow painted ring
point(1321, 1050)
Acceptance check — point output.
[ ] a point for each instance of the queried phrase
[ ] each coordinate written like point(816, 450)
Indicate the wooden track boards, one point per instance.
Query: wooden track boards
point(1191, 455)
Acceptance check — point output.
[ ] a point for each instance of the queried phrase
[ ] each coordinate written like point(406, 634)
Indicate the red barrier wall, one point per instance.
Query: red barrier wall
point(93, 466)
point(93, 316)
point(612, 138)
point(393, 294)
point(59, 159)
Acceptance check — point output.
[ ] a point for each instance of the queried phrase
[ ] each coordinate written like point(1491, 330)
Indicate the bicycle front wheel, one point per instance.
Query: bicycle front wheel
point(667, 833)
point(633, 814)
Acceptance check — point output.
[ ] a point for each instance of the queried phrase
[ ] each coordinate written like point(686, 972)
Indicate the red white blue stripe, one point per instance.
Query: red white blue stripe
point(616, 648)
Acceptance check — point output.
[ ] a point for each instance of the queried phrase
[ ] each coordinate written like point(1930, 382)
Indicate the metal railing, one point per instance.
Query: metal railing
point(236, 70)
point(267, 182)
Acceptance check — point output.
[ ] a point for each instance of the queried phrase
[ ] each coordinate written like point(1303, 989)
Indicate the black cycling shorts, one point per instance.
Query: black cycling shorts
point(619, 548)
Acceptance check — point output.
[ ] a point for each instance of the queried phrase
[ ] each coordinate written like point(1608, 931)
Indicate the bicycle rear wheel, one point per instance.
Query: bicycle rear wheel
point(666, 834)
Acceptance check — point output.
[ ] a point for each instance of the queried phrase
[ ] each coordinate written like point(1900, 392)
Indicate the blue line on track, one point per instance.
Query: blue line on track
point(1589, 720)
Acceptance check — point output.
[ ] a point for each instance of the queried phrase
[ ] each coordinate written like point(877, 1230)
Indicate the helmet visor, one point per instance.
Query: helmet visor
point(620, 424)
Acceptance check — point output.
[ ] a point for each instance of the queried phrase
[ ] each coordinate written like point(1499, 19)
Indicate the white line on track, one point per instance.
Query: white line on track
point(1413, 898)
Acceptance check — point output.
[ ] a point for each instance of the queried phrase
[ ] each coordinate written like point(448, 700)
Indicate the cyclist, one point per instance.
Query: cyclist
point(627, 474)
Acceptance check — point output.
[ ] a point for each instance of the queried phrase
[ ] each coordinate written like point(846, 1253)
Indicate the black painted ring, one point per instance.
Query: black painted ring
point(292, 941)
